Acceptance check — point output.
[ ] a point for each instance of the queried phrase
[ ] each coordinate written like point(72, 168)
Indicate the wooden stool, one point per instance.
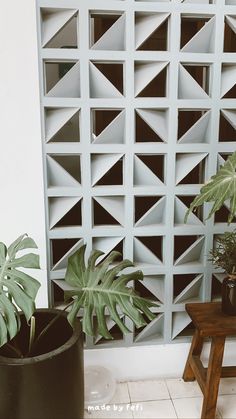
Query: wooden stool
point(209, 322)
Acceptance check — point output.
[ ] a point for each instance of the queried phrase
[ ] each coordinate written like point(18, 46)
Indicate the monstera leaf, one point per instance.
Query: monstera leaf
point(220, 188)
point(96, 288)
point(17, 289)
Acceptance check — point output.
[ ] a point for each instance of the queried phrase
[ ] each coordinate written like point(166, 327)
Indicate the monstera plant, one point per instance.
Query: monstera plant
point(95, 287)
point(43, 340)
point(221, 188)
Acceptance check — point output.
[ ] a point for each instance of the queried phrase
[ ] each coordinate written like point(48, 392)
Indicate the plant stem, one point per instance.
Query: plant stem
point(44, 331)
point(17, 351)
point(32, 333)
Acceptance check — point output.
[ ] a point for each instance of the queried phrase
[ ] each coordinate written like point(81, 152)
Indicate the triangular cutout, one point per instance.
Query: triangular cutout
point(143, 176)
point(154, 216)
point(71, 163)
point(228, 79)
point(114, 38)
point(187, 118)
point(204, 40)
point(188, 87)
point(62, 262)
point(144, 255)
point(53, 20)
point(185, 163)
point(230, 34)
point(227, 130)
point(182, 243)
point(180, 321)
point(145, 72)
point(100, 86)
point(58, 176)
point(102, 216)
point(180, 212)
point(106, 245)
point(143, 131)
point(193, 291)
point(156, 285)
point(101, 164)
point(114, 133)
point(157, 120)
point(58, 207)
point(199, 132)
point(146, 24)
point(56, 118)
point(143, 204)
point(193, 254)
point(152, 331)
point(68, 85)
point(114, 205)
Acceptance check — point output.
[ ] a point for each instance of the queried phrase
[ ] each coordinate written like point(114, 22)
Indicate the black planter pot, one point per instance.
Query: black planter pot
point(50, 384)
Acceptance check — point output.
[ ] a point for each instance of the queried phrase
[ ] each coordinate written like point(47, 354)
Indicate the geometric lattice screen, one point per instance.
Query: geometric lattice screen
point(138, 110)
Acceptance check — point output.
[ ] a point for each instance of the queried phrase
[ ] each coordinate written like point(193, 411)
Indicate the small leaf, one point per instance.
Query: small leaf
point(27, 243)
point(31, 260)
point(12, 249)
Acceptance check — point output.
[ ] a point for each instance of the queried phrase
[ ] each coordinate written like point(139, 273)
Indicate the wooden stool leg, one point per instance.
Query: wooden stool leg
point(195, 349)
point(213, 377)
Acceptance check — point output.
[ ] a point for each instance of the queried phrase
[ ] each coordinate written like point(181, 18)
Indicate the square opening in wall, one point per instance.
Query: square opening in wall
point(151, 125)
point(197, 33)
point(151, 31)
point(106, 79)
point(153, 332)
point(64, 212)
point(190, 168)
point(182, 204)
point(107, 245)
point(62, 79)
point(148, 250)
point(188, 250)
point(114, 330)
point(61, 249)
point(193, 126)
point(199, 80)
point(149, 169)
point(230, 34)
point(108, 210)
point(150, 79)
point(59, 28)
point(187, 288)
point(149, 210)
point(64, 170)
point(227, 129)
point(108, 126)
point(228, 81)
point(62, 125)
point(107, 31)
point(107, 169)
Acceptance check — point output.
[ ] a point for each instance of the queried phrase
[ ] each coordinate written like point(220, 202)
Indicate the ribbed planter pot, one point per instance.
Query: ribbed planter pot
point(50, 384)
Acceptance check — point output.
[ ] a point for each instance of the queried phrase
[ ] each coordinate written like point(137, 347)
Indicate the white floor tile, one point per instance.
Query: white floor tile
point(148, 390)
point(161, 409)
point(179, 389)
point(121, 394)
point(190, 408)
point(227, 386)
point(113, 411)
point(227, 406)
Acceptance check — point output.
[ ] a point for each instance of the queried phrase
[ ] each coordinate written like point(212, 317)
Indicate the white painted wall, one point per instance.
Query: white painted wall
point(21, 175)
point(21, 182)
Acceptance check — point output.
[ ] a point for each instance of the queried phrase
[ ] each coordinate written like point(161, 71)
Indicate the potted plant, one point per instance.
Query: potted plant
point(224, 256)
point(41, 351)
point(221, 188)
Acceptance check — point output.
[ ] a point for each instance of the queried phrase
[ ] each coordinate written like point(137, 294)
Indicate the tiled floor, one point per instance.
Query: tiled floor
point(163, 399)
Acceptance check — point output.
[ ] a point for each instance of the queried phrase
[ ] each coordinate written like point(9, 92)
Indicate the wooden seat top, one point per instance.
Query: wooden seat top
point(210, 321)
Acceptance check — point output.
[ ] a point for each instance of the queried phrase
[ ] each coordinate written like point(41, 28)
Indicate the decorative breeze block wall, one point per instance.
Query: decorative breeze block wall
point(138, 110)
